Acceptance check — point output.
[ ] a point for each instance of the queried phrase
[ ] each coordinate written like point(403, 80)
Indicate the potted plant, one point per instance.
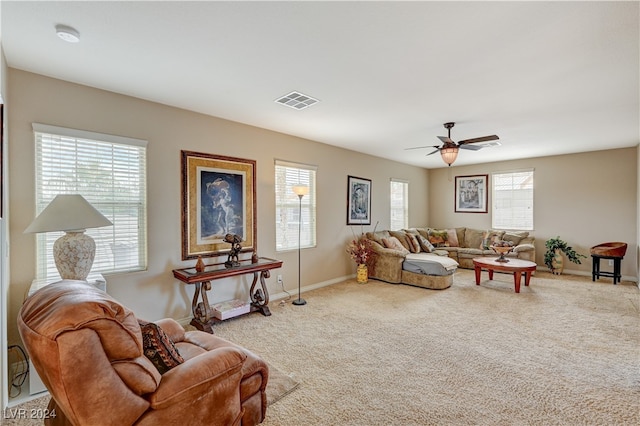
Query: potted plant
point(553, 256)
point(361, 251)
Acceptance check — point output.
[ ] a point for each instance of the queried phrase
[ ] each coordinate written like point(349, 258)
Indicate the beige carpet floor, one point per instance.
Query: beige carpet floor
point(565, 351)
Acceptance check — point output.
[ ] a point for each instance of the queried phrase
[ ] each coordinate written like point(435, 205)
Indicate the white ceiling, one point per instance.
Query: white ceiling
point(547, 77)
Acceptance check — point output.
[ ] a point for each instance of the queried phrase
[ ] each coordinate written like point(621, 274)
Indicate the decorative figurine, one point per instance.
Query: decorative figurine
point(235, 241)
point(199, 265)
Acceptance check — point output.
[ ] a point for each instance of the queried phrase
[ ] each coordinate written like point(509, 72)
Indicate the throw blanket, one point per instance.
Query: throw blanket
point(429, 264)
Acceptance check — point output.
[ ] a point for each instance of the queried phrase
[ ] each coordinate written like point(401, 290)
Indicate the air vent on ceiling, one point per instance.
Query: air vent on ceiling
point(297, 100)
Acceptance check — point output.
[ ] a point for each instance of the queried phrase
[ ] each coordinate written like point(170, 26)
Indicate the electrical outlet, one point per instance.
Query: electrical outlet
point(610, 262)
point(279, 279)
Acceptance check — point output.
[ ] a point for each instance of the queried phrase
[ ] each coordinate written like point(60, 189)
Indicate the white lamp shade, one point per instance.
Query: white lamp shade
point(301, 190)
point(68, 212)
point(449, 155)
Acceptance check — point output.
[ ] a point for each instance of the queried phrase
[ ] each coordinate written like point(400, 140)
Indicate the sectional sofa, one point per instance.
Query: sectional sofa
point(428, 257)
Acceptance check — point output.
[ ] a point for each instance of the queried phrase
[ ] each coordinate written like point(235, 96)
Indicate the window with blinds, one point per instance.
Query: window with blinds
point(110, 172)
point(293, 213)
point(512, 197)
point(399, 196)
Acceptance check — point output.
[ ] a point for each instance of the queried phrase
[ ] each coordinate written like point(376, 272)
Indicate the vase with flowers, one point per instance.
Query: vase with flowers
point(361, 252)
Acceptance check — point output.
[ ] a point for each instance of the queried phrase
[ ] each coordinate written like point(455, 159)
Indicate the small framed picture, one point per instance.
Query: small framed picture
point(358, 201)
point(471, 194)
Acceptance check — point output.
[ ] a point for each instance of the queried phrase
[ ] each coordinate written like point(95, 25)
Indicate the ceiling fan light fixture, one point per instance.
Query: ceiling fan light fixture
point(449, 155)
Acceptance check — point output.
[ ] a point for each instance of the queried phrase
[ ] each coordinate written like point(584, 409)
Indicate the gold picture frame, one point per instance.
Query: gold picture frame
point(218, 198)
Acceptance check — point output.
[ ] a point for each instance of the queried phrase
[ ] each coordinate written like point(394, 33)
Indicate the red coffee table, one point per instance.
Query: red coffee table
point(517, 266)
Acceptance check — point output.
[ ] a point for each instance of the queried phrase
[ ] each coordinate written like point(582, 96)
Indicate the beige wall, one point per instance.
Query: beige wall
point(155, 293)
point(586, 199)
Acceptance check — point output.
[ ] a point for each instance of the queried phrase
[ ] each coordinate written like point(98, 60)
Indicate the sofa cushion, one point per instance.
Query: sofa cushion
point(402, 237)
point(377, 236)
point(469, 252)
point(523, 247)
point(473, 238)
point(515, 236)
point(460, 234)
point(395, 244)
point(158, 348)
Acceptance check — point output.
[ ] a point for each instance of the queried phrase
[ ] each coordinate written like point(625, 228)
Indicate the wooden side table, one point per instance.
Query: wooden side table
point(202, 313)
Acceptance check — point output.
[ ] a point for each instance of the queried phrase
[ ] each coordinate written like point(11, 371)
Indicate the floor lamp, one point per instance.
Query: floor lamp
point(300, 191)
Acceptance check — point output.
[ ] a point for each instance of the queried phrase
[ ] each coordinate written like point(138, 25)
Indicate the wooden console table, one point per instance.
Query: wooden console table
point(202, 313)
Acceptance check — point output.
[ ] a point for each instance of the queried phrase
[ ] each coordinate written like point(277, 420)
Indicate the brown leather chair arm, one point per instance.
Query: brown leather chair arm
point(219, 368)
point(172, 328)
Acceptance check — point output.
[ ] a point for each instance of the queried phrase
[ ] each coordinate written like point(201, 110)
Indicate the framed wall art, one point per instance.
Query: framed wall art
point(218, 198)
point(358, 201)
point(471, 194)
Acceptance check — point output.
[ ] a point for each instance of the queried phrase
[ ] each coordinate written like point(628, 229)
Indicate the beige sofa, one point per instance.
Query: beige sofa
point(459, 244)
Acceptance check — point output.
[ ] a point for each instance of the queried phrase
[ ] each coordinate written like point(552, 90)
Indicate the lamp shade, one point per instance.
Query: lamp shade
point(449, 155)
point(301, 190)
point(68, 212)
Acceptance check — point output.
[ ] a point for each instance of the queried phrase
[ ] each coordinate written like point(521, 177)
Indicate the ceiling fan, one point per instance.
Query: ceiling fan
point(449, 149)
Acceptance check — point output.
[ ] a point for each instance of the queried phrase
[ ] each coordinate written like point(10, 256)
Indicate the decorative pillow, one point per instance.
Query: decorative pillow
point(394, 243)
point(490, 237)
point(158, 347)
point(438, 237)
point(414, 245)
point(425, 245)
point(452, 238)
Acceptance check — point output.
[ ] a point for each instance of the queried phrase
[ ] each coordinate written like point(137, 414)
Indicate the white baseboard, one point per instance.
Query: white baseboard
point(588, 274)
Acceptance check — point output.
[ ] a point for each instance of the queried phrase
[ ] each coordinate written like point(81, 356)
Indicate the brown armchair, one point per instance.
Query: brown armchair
point(88, 350)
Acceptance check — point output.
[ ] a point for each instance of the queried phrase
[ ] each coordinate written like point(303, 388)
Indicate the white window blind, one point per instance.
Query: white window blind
point(110, 172)
point(288, 205)
point(512, 196)
point(399, 192)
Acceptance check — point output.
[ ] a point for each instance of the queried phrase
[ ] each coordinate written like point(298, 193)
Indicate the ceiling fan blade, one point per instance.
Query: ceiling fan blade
point(445, 139)
point(421, 147)
point(433, 152)
point(472, 147)
point(481, 139)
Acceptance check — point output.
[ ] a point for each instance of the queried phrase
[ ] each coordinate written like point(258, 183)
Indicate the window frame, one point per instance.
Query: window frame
point(512, 224)
point(286, 199)
point(405, 201)
point(116, 163)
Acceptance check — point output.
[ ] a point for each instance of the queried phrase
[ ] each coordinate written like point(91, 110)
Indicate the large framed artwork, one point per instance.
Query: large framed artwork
point(218, 198)
point(358, 201)
point(471, 194)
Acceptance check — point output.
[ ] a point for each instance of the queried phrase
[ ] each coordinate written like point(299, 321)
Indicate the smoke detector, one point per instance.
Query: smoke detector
point(68, 34)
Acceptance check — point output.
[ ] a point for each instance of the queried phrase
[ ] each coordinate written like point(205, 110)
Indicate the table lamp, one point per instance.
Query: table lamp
point(74, 251)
